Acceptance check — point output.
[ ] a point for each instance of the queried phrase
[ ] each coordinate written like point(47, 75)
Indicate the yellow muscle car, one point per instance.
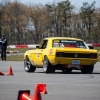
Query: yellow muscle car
point(61, 53)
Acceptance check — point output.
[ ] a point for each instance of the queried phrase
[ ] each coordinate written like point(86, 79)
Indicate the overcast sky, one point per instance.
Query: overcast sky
point(73, 2)
point(76, 3)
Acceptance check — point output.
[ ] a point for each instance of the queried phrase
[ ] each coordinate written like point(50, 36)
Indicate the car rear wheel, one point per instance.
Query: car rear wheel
point(28, 67)
point(88, 69)
point(47, 66)
point(67, 70)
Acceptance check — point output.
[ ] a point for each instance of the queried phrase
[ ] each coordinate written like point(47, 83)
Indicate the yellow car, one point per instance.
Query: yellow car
point(61, 53)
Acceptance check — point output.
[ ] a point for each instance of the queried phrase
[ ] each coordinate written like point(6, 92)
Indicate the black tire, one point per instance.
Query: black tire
point(88, 69)
point(67, 70)
point(28, 67)
point(47, 66)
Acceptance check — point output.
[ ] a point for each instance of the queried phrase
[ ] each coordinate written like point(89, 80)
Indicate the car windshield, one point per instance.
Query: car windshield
point(68, 43)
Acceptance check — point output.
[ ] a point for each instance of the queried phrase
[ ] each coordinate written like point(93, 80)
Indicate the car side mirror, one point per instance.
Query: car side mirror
point(91, 47)
point(37, 46)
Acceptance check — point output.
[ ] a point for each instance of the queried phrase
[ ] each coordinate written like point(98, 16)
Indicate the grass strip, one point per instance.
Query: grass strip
point(23, 50)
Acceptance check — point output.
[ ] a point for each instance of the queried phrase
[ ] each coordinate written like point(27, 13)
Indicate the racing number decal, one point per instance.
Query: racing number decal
point(51, 51)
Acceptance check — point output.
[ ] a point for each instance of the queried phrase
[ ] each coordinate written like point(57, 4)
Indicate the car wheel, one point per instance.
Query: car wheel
point(87, 69)
point(47, 66)
point(66, 70)
point(28, 67)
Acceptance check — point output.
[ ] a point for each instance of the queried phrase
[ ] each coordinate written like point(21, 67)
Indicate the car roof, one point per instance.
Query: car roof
point(69, 38)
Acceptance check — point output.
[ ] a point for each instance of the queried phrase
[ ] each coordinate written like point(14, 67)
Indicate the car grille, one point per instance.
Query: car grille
point(76, 55)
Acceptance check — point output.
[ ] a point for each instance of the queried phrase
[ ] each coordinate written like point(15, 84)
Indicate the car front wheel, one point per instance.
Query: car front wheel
point(47, 66)
point(28, 67)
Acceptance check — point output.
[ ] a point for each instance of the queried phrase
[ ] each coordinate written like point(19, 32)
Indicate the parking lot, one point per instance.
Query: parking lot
point(59, 86)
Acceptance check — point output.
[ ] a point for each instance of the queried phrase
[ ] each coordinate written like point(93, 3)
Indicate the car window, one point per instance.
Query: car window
point(44, 44)
point(80, 44)
point(68, 43)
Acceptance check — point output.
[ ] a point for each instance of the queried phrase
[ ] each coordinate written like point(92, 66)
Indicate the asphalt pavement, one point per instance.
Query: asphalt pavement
point(59, 86)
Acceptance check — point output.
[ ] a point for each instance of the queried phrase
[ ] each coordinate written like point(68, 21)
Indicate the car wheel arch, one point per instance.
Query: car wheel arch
point(27, 57)
point(28, 67)
point(45, 56)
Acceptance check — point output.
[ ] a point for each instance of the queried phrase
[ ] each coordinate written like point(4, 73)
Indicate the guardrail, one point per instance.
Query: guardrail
point(96, 44)
point(22, 46)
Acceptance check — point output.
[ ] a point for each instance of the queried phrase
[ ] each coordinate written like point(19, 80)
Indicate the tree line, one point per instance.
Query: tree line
point(28, 24)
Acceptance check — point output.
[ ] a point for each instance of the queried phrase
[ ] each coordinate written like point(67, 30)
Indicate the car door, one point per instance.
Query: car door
point(40, 53)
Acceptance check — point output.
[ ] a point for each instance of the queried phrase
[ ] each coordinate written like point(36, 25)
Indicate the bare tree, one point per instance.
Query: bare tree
point(87, 14)
point(15, 20)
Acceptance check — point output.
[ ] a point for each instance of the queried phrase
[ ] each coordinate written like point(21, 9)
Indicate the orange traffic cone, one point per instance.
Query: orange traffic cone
point(24, 95)
point(10, 71)
point(37, 95)
point(42, 88)
point(2, 74)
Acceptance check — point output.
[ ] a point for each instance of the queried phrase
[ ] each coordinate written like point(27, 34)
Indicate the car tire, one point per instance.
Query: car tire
point(67, 70)
point(87, 69)
point(28, 67)
point(47, 66)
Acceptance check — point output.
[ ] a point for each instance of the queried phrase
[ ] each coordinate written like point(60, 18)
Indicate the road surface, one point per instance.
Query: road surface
point(73, 86)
